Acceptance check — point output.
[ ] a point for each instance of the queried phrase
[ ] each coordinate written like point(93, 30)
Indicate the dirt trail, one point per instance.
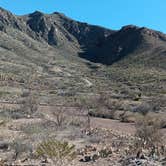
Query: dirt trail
point(115, 125)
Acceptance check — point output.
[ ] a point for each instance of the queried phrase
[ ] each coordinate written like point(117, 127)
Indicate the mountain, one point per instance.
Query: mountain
point(29, 35)
point(94, 43)
point(129, 40)
point(71, 56)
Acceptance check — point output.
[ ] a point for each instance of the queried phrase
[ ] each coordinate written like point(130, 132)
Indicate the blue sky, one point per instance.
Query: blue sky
point(109, 13)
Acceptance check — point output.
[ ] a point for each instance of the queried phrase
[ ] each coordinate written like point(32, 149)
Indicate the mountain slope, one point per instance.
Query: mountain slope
point(128, 40)
point(94, 43)
point(63, 51)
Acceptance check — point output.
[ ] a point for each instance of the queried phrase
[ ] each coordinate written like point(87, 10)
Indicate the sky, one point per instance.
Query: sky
point(112, 14)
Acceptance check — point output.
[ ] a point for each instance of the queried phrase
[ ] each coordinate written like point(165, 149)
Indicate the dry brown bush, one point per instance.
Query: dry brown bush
point(60, 117)
point(148, 132)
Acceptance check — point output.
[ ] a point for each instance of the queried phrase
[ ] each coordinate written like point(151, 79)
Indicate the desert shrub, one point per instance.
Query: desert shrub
point(57, 151)
point(33, 129)
point(60, 118)
point(154, 118)
point(77, 122)
point(148, 132)
point(163, 123)
point(31, 95)
point(105, 152)
point(158, 102)
point(20, 148)
point(143, 108)
point(101, 113)
point(103, 105)
point(41, 128)
point(30, 104)
point(3, 94)
point(12, 114)
point(85, 105)
point(117, 115)
point(127, 117)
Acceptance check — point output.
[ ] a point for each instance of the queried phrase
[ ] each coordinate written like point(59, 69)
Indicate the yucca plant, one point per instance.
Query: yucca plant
point(59, 152)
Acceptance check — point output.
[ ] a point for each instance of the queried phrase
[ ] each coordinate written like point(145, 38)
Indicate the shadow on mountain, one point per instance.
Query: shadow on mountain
point(114, 47)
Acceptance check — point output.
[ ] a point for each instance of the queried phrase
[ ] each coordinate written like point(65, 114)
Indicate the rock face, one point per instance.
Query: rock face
point(93, 43)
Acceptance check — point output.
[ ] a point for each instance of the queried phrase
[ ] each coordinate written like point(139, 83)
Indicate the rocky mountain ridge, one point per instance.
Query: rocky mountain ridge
point(91, 42)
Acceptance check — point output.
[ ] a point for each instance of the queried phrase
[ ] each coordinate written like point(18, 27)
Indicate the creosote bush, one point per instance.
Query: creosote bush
point(148, 132)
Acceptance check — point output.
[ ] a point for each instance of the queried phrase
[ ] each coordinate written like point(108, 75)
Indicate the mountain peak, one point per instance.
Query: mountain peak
point(58, 13)
point(127, 27)
point(134, 27)
point(36, 13)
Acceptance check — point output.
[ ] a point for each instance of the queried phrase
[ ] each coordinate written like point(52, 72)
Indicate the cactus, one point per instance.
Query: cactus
point(104, 153)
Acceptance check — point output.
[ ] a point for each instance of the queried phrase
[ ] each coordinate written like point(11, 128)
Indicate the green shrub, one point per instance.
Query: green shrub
point(57, 151)
point(19, 148)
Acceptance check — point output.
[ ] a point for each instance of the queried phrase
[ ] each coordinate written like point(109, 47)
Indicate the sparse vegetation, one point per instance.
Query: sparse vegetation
point(52, 87)
point(148, 132)
point(30, 102)
point(21, 148)
point(60, 117)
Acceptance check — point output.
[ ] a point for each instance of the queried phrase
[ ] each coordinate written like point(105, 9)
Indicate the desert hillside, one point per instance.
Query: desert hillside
point(101, 90)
